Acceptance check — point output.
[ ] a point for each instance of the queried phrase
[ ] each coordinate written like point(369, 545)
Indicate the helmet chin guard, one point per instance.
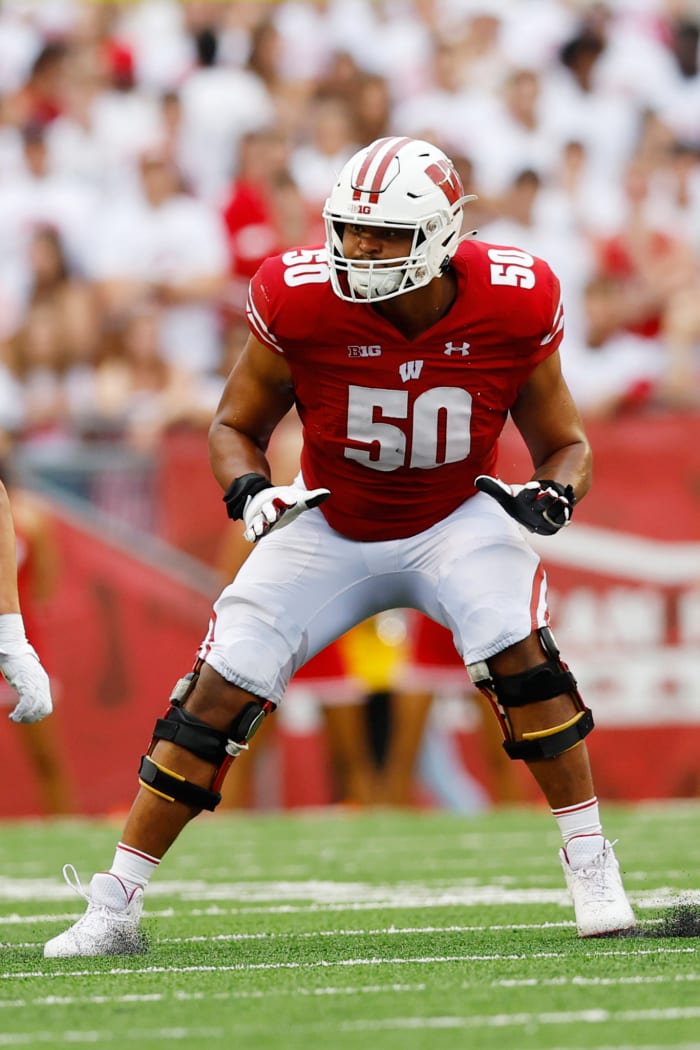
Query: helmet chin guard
point(402, 183)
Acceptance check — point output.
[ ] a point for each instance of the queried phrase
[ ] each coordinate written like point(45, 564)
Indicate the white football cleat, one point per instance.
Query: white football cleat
point(110, 926)
point(595, 886)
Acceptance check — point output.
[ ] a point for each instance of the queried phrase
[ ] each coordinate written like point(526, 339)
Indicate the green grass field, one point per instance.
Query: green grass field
point(359, 931)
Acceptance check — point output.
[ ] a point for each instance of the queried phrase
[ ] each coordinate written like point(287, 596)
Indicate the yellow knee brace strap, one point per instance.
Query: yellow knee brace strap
point(548, 743)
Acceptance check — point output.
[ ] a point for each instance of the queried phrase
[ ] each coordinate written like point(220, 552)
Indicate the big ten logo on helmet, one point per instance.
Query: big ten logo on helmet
point(364, 351)
point(361, 209)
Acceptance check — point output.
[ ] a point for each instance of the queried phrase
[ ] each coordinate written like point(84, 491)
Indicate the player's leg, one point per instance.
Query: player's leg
point(492, 592)
point(265, 624)
point(210, 721)
point(545, 723)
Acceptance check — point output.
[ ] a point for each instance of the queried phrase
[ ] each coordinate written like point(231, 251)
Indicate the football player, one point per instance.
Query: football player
point(404, 346)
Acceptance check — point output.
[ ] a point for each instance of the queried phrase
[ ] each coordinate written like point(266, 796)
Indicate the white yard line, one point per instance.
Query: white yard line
point(380, 931)
point(330, 964)
point(595, 1016)
point(329, 894)
point(332, 990)
point(449, 1022)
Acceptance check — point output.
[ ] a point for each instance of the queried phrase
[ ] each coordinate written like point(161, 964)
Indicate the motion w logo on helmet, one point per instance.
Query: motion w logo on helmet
point(446, 177)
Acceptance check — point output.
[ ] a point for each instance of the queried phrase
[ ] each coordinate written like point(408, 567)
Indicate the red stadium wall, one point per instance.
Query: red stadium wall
point(120, 631)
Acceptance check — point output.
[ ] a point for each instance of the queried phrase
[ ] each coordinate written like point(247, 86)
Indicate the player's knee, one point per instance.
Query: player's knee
point(549, 679)
point(212, 745)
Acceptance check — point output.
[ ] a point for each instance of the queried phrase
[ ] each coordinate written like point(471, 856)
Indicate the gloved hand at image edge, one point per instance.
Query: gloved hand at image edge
point(543, 506)
point(22, 668)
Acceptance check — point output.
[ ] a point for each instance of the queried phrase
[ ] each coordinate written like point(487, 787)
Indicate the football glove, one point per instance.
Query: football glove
point(277, 506)
point(543, 506)
point(22, 668)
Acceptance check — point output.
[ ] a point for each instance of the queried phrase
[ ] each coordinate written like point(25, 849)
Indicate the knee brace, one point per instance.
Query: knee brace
point(543, 682)
point(210, 744)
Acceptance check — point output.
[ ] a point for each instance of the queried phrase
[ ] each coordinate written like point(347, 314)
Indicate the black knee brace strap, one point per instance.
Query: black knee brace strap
point(175, 788)
point(207, 743)
point(180, 727)
point(210, 744)
point(538, 683)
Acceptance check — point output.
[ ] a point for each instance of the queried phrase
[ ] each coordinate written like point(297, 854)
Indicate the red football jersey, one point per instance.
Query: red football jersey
point(399, 428)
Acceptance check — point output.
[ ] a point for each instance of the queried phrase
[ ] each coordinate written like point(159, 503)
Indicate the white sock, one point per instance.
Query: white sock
point(581, 831)
point(132, 866)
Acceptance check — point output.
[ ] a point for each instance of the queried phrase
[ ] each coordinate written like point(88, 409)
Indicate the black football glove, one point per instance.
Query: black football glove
point(542, 506)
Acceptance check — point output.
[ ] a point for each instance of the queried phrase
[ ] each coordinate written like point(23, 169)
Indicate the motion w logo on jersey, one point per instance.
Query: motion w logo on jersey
point(410, 370)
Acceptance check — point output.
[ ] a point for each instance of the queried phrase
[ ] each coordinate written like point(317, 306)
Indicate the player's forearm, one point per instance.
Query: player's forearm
point(570, 465)
point(233, 454)
point(9, 597)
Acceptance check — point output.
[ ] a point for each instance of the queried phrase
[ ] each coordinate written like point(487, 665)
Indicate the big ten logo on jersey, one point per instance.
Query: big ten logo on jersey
point(364, 351)
point(305, 266)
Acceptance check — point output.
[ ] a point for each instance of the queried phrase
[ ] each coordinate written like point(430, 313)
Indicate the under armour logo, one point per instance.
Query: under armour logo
point(450, 348)
point(410, 370)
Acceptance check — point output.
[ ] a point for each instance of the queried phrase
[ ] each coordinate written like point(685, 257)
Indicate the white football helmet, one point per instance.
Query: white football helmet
point(406, 184)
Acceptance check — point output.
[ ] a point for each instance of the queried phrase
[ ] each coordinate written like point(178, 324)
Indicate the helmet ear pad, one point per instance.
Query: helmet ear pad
point(400, 183)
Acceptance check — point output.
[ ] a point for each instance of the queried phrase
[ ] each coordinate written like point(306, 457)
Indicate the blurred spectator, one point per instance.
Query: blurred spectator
point(40, 99)
point(371, 107)
point(650, 262)
point(262, 155)
point(514, 134)
point(609, 369)
point(136, 394)
point(316, 162)
point(56, 342)
point(166, 248)
point(521, 221)
point(40, 196)
point(219, 103)
point(444, 111)
point(425, 721)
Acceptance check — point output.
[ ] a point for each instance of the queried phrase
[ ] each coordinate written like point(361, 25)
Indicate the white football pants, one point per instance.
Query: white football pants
point(304, 585)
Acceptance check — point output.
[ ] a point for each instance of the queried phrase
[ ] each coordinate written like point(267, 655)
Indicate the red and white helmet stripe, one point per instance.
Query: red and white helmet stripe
point(370, 177)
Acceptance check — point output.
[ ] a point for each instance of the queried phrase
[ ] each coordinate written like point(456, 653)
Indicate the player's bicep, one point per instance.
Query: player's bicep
point(258, 393)
point(545, 412)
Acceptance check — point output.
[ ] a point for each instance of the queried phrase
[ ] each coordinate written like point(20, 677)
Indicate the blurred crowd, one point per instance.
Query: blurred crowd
point(153, 153)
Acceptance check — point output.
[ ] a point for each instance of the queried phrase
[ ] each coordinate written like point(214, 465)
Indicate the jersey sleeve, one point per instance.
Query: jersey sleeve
point(260, 306)
point(553, 316)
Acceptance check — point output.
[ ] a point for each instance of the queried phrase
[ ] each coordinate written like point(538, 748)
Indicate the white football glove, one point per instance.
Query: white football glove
point(22, 668)
point(275, 507)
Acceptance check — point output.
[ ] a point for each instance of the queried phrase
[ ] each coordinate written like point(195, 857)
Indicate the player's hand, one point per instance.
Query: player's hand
point(22, 668)
point(277, 506)
point(543, 506)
